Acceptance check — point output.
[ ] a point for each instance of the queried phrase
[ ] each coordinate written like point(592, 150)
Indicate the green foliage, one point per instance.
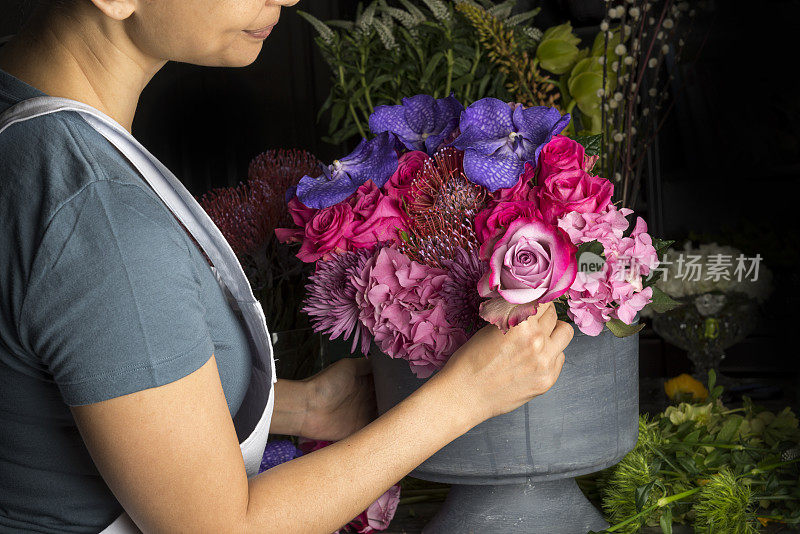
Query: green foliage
point(390, 52)
point(704, 464)
point(591, 143)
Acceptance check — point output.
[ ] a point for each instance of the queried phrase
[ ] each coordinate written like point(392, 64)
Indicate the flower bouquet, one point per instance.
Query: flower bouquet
point(450, 219)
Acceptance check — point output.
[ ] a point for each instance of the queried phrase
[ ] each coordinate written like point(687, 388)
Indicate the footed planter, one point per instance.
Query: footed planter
point(515, 473)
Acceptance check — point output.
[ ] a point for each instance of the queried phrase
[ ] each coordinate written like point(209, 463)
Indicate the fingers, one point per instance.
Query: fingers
point(561, 336)
point(558, 363)
point(548, 320)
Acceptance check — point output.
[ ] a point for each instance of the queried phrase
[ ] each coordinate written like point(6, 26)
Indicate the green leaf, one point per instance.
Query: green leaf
point(688, 464)
point(666, 520)
point(336, 114)
point(642, 493)
point(730, 428)
point(712, 379)
point(661, 245)
point(662, 302)
point(620, 329)
point(591, 143)
point(595, 247)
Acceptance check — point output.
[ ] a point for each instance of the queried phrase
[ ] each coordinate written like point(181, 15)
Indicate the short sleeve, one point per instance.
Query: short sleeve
point(113, 302)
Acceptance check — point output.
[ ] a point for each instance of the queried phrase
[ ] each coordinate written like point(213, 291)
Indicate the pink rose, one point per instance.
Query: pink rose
point(328, 231)
point(522, 190)
point(409, 164)
point(301, 214)
point(560, 154)
point(499, 215)
point(378, 218)
point(381, 512)
point(573, 190)
point(533, 262)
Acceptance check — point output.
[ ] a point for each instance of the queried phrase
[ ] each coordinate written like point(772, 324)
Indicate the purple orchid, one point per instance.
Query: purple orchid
point(420, 123)
point(375, 159)
point(498, 140)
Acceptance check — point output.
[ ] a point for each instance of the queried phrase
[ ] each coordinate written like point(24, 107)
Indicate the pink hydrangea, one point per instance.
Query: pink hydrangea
point(615, 292)
point(402, 306)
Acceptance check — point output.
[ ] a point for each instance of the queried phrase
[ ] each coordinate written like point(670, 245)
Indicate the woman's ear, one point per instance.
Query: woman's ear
point(116, 9)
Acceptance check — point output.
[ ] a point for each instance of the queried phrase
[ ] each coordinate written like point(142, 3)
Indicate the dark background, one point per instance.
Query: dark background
point(729, 154)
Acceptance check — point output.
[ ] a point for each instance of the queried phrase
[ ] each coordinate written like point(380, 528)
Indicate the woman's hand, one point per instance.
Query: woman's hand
point(341, 400)
point(500, 372)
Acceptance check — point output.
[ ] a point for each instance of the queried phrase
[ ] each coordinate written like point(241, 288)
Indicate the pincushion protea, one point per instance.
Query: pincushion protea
point(248, 214)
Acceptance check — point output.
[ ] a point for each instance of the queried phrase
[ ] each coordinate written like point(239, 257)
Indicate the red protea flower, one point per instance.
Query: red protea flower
point(442, 206)
point(441, 187)
point(248, 214)
point(274, 172)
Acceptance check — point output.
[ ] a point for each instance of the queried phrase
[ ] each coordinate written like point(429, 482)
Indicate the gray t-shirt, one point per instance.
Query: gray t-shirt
point(102, 294)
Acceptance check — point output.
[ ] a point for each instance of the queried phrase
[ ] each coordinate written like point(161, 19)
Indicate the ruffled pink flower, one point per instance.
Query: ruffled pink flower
point(616, 292)
point(533, 262)
point(329, 231)
point(495, 219)
point(399, 185)
point(638, 250)
point(377, 217)
point(628, 308)
point(560, 154)
point(300, 214)
point(606, 227)
point(573, 190)
point(589, 312)
point(402, 306)
point(378, 516)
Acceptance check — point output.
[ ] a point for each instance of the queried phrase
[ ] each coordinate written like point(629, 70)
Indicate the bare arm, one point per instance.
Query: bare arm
point(171, 456)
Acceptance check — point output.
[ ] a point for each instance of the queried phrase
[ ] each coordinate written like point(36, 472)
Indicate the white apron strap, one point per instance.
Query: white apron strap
point(253, 419)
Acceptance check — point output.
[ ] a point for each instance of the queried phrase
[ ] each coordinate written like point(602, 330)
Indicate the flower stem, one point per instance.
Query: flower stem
point(350, 103)
point(363, 71)
point(660, 503)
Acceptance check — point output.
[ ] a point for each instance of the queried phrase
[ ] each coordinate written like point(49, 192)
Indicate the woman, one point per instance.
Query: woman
point(123, 366)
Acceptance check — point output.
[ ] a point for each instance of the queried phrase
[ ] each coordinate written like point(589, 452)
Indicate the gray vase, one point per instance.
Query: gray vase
point(515, 473)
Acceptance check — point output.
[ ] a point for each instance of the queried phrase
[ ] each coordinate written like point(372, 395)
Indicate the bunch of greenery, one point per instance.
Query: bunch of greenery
point(725, 471)
point(430, 47)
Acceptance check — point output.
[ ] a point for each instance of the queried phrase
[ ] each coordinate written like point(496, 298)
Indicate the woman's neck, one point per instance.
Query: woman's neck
point(81, 55)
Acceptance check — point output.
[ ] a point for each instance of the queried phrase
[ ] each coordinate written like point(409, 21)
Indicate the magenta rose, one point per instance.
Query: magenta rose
point(301, 214)
point(409, 164)
point(573, 190)
point(378, 218)
point(328, 231)
point(498, 216)
point(532, 263)
point(560, 154)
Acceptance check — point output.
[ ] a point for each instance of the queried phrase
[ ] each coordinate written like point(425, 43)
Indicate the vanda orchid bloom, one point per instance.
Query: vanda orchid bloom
point(497, 140)
point(375, 159)
point(420, 123)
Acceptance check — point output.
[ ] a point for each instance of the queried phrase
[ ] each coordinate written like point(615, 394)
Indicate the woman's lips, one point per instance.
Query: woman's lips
point(261, 34)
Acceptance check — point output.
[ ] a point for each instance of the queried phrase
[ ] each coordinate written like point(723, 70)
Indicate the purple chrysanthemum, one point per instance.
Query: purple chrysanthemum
point(497, 140)
point(460, 291)
point(278, 452)
point(421, 122)
point(331, 298)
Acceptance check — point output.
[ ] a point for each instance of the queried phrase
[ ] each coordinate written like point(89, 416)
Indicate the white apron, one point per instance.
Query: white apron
point(252, 420)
